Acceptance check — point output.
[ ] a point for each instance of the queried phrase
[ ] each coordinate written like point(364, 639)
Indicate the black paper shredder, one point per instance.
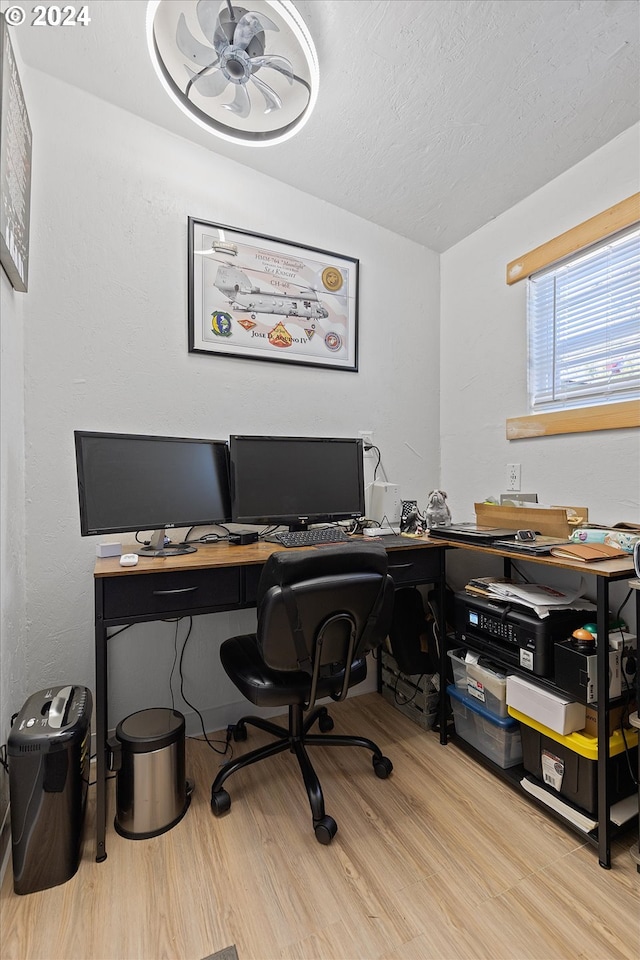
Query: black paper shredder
point(49, 756)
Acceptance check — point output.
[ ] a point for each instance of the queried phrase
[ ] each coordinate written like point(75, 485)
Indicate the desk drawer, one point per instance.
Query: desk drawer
point(176, 593)
point(414, 566)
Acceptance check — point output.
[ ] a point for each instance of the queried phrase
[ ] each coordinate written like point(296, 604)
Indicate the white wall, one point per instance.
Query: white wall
point(14, 681)
point(13, 678)
point(106, 349)
point(484, 363)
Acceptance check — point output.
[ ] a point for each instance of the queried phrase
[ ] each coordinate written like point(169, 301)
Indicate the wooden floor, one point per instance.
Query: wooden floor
point(442, 860)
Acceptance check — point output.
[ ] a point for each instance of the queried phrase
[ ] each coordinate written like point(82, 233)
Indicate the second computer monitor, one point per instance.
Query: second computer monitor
point(296, 481)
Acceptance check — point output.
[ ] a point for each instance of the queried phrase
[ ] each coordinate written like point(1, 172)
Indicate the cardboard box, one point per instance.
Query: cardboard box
point(548, 521)
point(552, 710)
point(616, 716)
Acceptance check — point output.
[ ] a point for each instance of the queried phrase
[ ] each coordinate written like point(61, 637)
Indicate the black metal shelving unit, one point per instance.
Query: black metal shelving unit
point(604, 575)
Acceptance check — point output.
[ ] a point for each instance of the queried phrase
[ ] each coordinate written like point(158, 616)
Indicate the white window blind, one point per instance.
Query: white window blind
point(584, 327)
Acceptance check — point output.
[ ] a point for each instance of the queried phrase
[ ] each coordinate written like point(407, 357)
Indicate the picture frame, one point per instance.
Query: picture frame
point(262, 298)
point(15, 168)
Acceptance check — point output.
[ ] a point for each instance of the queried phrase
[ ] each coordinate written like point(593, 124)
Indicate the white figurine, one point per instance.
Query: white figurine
point(437, 512)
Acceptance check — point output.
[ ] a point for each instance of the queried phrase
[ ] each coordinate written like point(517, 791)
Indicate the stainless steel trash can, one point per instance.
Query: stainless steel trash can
point(151, 787)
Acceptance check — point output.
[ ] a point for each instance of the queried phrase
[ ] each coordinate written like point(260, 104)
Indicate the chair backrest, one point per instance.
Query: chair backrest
point(319, 610)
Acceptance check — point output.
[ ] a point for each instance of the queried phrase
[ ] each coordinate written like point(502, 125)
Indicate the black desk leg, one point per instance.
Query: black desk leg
point(602, 672)
point(101, 728)
point(442, 636)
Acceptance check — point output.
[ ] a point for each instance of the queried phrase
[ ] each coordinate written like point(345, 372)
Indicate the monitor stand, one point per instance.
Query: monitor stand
point(156, 547)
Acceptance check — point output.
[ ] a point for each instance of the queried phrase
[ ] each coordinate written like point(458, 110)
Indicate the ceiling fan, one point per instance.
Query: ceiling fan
point(236, 54)
point(247, 74)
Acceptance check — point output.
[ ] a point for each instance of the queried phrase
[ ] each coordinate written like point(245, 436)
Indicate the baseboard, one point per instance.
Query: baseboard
point(219, 718)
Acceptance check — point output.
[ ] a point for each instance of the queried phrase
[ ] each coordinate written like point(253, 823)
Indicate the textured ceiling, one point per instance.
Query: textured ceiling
point(433, 117)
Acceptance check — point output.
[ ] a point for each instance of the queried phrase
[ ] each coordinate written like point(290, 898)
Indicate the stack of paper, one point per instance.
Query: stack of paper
point(619, 813)
point(540, 597)
point(581, 820)
point(481, 585)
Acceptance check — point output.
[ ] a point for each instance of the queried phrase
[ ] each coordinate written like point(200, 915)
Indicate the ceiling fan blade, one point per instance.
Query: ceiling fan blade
point(207, 13)
point(271, 98)
point(208, 84)
point(281, 64)
point(241, 105)
point(191, 48)
point(249, 26)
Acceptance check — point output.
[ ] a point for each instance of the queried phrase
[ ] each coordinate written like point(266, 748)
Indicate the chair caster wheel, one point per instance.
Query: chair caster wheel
point(325, 723)
point(239, 732)
point(326, 830)
point(382, 767)
point(220, 802)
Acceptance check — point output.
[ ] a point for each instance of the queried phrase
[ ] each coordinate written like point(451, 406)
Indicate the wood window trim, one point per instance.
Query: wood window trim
point(616, 218)
point(606, 416)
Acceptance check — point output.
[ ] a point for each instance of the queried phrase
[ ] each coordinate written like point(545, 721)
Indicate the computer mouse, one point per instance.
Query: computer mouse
point(128, 559)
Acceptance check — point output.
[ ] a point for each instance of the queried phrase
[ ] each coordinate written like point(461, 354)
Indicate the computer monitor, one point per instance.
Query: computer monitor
point(128, 483)
point(296, 481)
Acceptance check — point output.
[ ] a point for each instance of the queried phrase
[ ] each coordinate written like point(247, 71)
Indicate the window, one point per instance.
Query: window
point(584, 327)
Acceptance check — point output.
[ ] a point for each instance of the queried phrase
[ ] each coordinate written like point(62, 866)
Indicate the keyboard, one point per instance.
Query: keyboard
point(311, 538)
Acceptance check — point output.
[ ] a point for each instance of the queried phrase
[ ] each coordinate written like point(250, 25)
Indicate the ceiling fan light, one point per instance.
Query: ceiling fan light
point(203, 74)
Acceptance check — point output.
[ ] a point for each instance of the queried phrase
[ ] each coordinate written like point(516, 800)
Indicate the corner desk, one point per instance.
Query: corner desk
point(217, 577)
point(221, 577)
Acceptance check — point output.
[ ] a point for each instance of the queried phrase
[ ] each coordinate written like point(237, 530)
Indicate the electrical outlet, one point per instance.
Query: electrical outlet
point(513, 476)
point(367, 438)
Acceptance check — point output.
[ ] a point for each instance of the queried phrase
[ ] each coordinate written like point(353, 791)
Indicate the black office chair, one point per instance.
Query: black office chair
point(319, 613)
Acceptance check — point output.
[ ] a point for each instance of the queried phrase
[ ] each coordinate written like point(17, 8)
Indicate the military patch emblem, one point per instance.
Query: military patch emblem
point(332, 278)
point(333, 342)
point(280, 336)
point(221, 323)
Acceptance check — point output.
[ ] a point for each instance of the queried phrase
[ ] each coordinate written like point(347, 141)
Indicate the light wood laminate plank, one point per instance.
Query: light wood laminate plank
point(442, 859)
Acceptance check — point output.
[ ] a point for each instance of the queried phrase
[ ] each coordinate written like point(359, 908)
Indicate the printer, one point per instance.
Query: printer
point(514, 635)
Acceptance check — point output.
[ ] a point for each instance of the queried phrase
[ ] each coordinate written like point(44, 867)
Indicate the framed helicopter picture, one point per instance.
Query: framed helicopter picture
point(261, 298)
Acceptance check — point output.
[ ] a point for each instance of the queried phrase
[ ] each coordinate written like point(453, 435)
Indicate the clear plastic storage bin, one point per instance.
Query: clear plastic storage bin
point(488, 685)
point(485, 683)
point(459, 669)
point(497, 738)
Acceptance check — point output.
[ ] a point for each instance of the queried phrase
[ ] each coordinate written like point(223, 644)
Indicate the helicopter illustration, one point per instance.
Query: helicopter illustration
point(242, 295)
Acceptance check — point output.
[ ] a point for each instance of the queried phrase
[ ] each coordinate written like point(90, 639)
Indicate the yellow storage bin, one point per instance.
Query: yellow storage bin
point(568, 764)
point(580, 742)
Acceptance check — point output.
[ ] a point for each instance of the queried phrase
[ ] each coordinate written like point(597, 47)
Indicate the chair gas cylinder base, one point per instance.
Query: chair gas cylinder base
point(319, 614)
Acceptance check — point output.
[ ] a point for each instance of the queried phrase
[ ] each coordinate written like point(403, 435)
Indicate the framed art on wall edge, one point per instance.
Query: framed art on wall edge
point(15, 168)
point(262, 298)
